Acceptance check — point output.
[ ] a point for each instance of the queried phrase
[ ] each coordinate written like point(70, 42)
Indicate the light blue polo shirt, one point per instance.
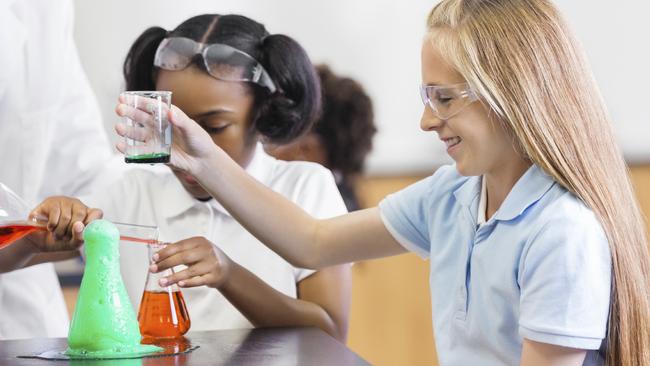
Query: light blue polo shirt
point(539, 268)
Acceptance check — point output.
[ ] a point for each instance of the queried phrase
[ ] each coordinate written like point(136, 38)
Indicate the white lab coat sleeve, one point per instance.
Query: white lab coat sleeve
point(80, 147)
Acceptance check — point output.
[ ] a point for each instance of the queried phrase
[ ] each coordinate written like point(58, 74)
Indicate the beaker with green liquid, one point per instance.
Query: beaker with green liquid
point(148, 140)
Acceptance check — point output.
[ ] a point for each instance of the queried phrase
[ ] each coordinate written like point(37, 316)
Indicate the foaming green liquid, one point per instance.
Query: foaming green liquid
point(104, 324)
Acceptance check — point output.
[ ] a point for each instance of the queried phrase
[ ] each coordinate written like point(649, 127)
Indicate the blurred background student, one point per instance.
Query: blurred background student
point(342, 136)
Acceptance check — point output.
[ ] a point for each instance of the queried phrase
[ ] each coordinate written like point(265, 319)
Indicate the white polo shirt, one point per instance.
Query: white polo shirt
point(156, 197)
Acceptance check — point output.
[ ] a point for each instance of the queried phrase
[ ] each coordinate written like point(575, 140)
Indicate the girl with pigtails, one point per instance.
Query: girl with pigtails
point(240, 84)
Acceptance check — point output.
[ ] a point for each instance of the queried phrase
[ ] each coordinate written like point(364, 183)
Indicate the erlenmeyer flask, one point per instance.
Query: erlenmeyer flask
point(14, 223)
point(162, 313)
point(103, 324)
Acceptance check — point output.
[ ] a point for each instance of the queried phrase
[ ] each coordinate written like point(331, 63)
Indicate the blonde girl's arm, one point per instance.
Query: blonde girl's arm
point(287, 229)
point(277, 222)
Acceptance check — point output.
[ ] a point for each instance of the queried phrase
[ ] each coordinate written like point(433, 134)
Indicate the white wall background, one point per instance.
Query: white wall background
point(378, 43)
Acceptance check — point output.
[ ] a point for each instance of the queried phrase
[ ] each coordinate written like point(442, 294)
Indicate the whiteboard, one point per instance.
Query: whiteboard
point(377, 42)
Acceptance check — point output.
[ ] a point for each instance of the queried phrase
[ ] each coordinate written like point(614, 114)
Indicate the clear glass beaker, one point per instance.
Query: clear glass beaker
point(162, 312)
point(142, 234)
point(149, 139)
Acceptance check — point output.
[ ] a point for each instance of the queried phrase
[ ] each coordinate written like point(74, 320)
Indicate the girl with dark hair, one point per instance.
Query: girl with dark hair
point(241, 84)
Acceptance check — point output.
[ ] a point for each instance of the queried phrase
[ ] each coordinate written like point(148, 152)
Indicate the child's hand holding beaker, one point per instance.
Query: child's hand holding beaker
point(148, 134)
point(191, 145)
point(206, 264)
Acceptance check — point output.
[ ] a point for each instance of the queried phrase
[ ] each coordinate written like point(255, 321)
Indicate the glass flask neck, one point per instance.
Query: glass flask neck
point(153, 279)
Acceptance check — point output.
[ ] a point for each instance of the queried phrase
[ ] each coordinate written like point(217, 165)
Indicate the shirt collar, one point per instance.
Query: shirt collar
point(529, 189)
point(482, 203)
point(178, 201)
point(468, 191)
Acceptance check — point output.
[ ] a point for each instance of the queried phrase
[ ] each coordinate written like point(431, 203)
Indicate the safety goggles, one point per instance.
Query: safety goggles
point(447, 101)
point(220, 60)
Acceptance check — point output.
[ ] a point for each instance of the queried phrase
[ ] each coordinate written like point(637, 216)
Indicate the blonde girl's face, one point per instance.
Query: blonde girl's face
point(474, 137)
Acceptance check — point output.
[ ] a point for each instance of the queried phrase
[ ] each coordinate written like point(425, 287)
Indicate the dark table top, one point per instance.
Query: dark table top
point(267, 346)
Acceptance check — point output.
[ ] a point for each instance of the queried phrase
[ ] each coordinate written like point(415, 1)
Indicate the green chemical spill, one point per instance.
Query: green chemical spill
point(148, 158)
point(104, 324)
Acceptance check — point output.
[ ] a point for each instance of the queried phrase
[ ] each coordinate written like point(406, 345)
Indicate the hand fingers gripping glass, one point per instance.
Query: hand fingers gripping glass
point(148, 132)
point(220, 60)
point(447, 101)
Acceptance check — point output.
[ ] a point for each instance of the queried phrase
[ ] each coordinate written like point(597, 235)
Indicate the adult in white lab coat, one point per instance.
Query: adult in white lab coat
point(52, 142)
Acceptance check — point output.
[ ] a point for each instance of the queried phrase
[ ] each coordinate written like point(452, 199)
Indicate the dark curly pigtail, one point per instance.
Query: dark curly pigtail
point(138, 69)
point(293, 108)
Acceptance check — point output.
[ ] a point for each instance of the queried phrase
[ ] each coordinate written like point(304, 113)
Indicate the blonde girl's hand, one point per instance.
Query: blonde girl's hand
point(206, 264)
point(191, 144)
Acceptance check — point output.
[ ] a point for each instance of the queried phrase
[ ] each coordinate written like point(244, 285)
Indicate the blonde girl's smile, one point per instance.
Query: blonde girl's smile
point(451, 143)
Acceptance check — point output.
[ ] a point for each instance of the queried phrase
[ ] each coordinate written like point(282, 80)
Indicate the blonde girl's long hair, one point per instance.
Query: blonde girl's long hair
point(520, 56)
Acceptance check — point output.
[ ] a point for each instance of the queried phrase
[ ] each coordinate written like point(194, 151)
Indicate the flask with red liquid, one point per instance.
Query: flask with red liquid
point(12, 231)
point(162, 312)
point(14, 223)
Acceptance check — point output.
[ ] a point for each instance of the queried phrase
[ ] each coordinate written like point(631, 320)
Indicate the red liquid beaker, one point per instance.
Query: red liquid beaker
point(14, 230)
point(10, 232)
point(14, 221)
point(162, 312)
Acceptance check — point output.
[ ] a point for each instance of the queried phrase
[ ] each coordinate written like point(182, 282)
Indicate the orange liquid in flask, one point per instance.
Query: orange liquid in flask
point(163, 315)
